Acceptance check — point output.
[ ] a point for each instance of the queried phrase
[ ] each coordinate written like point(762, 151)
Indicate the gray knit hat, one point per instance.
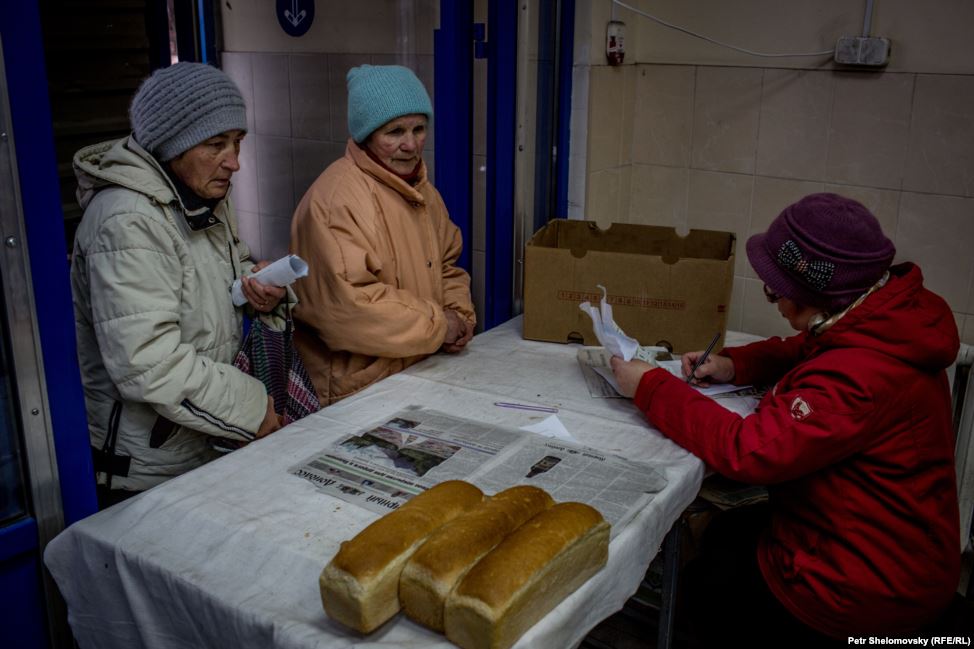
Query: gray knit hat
point(380, 93)
point(178, 107)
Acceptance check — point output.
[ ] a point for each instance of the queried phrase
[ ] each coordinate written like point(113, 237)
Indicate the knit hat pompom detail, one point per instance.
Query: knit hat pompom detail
point(823, 251)
point(178, 107)
point(380, 93)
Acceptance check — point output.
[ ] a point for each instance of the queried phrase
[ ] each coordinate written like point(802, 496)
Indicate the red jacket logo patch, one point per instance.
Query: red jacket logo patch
point(800, 409)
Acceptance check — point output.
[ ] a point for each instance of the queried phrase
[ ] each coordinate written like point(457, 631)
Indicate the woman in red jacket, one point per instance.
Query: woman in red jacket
point(854, 439)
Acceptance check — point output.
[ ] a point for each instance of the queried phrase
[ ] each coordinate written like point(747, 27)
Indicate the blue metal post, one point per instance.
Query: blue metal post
point(501, 141)
point(453, 116)
point(204, 12)
point(545, 114)
point(44, 222)
point(566, 56)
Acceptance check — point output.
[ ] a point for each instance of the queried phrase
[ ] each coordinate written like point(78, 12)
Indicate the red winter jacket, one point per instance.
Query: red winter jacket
point(856, 446)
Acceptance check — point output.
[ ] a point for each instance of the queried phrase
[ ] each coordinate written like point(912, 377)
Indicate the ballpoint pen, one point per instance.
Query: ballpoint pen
point(703, 357)
point(524, 406)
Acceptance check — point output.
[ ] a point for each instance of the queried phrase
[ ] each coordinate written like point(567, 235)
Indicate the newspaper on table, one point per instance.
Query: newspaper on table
point(382, 467)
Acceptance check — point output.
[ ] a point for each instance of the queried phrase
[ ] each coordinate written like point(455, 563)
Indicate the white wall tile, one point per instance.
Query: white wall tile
point(309, 158)
point(869, 129)
point(607, 94)
point(941, 152)
point(245, 192)
point(937, 233)
point(721, 201)
point(607, 191)
point(967, 330)
point(576, 187)
point(310, 105)
point(793, 135)
point(272, 94)
point(275, 237)
point(578, 166)
point(275, 179)
point(735, 315)
point(659, 196)
point(248, 228)
point(663, 115)
point(726, 110)
point(237, 66)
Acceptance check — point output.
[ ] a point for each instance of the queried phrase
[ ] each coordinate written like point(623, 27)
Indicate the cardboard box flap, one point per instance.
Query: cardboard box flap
point(583, 236)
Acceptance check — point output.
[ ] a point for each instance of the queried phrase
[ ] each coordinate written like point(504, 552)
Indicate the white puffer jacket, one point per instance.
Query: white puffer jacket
point(156, 327)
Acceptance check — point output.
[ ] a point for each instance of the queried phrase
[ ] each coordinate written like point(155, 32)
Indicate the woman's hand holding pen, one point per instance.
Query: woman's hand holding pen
point(715, 369)
point(701, 368)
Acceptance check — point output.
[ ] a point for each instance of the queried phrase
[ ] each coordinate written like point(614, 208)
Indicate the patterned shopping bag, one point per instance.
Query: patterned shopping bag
point(270, 356)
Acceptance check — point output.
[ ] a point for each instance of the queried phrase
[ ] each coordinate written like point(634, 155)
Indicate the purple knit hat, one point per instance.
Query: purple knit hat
point(823, 251)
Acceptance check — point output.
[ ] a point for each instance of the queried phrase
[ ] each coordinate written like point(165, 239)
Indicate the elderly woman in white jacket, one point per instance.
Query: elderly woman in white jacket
point(153, 262)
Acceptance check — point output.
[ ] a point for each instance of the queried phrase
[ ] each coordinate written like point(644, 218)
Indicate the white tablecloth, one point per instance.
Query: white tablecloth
point(229, 555)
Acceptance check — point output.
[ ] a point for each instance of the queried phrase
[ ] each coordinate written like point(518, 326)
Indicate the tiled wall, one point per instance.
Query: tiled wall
point(726, 147)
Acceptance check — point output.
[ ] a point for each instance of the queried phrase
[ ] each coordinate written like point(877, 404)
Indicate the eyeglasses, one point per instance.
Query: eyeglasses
point(771, 295)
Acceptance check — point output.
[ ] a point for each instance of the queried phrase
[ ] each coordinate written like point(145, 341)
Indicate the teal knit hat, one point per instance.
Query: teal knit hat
point(380, 93)
point(182, 105)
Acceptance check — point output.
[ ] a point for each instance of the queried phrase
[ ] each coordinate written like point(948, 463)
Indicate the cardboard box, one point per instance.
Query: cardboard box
point(664, 289)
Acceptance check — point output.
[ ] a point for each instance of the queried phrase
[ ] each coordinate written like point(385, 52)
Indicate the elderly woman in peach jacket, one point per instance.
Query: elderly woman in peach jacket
point(384, 290)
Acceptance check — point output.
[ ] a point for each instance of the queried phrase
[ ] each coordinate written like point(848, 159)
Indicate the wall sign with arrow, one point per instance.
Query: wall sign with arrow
point(295, 16)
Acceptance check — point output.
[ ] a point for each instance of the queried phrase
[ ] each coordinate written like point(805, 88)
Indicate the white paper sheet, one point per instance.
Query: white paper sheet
point(551, 427)
point(282, 272)
point(607, 331)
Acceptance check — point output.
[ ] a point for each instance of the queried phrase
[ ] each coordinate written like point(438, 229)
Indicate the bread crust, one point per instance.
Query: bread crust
point(525, 576)
point(445, 557)
point(360, 585)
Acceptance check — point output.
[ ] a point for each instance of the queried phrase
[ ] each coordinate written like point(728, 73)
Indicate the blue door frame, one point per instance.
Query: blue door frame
point(41, 198)
point(21, 603)
point(565, 59)
point(501, 141)
point(453, 111)
point(453, 60)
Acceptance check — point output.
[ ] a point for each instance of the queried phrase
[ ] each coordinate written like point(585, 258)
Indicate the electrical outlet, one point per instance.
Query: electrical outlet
point(867, 51)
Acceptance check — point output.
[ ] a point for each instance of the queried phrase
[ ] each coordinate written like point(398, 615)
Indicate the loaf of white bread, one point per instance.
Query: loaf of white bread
point(445, 557)
point(525, 576)
point(360, 585)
